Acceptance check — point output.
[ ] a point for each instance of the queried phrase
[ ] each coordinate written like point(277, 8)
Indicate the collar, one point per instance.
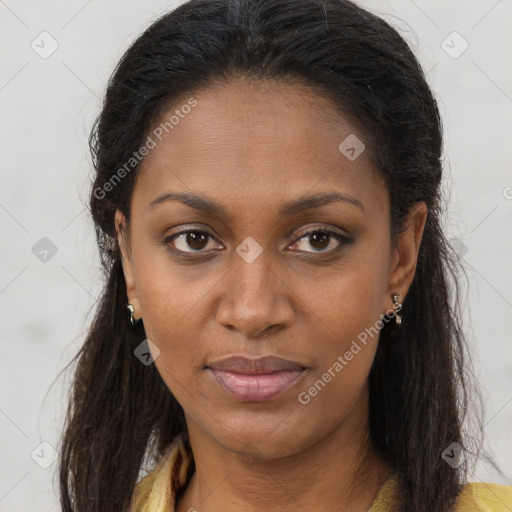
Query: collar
point(156, 492)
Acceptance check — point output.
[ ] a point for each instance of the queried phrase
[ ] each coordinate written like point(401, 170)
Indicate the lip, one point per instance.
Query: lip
point(256, 379)
point(254, 365)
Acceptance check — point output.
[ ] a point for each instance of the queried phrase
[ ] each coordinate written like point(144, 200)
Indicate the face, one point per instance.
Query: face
point(253, 266)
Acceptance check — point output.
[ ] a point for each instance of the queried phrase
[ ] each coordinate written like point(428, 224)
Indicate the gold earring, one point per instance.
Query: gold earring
point(131, 311)
point(397, 307)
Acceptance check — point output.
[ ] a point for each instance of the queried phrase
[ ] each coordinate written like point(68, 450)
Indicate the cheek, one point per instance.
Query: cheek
point(348, 302)
point(173, 318)
point(175, 300)
point(345, 355)
point(344, 318)
point(347, 349)
point(171, 295)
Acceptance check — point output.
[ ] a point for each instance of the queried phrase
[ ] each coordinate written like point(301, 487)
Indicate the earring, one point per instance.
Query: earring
point(131, 311)
point(397, 307)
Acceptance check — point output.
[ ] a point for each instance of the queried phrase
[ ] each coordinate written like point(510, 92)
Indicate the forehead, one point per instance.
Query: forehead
point(259, 145)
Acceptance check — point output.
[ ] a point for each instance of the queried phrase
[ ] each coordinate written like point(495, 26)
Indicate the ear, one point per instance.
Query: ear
point(405, 255)
point(126, 259)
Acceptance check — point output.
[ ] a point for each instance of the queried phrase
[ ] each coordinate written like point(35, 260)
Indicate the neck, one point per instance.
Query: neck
point(338, 472)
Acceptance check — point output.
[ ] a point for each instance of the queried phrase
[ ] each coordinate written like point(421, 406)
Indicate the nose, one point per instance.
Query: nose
point(255, 299)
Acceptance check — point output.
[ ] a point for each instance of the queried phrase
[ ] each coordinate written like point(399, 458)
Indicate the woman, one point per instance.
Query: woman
point(277, 328)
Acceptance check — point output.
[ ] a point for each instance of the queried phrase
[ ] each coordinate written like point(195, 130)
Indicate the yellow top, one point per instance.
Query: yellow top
point(156, 491)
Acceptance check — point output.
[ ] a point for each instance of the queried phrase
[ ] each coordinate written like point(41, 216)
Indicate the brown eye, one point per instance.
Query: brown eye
point(321, 239)
point(190, 241)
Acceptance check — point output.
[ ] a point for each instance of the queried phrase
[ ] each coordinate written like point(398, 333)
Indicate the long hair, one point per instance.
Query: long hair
point(121, 415)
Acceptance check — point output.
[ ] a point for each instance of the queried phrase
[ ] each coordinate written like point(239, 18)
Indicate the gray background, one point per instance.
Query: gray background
point(47, 109)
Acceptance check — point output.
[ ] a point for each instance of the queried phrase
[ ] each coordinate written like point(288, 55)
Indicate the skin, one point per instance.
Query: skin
point(251, 148)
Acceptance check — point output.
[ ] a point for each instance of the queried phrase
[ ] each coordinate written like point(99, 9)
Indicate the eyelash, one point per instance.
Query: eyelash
point(342, 239)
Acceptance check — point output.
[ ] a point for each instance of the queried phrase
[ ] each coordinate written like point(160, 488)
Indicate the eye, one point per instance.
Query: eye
point(194, 239)
point(321, 239)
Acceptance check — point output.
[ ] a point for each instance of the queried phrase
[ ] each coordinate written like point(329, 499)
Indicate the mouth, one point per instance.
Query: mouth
point(255, 380)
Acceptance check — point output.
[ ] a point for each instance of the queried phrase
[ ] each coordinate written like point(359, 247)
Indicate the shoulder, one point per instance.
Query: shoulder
point(484, 497)
point(474, 497)
point(157, 490)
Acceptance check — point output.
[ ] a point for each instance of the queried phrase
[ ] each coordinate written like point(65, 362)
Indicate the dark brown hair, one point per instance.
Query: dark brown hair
point(121, 415)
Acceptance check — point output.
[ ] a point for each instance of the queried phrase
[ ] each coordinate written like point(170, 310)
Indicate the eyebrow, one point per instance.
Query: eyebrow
point(210, 207)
